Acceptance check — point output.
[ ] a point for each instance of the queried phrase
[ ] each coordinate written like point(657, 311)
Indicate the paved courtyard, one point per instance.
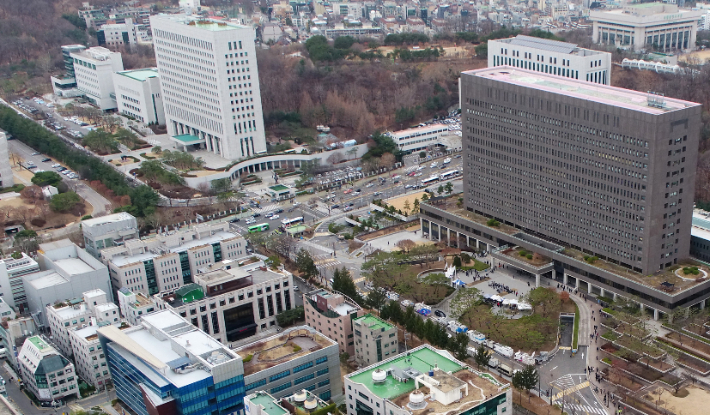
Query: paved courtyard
point(389, 242)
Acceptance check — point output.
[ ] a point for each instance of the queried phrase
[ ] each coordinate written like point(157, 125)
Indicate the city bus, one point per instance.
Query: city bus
point(448, 174)
point(290, 222)
point(432, 179)
point(259, 228)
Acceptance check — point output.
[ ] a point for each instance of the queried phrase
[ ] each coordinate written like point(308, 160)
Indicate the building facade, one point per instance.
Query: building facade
point(419, 138)
point(551, 57)
point(210, 85)
point(167, 366)
point(646, 26)
point(134, 305)
point(232, 302)
point(13, 334)
point(138, 95)
point(89, 356)
point(393, 387)
point(107, 231)
point(93, 70)
point(314, 366)
point(118, 34)
point(65, 86)
point(332, 314)
point(375, 340)
point(49, 375)
point(6, 177)
point(169, 261)
point(12, 287)
point(592, 178)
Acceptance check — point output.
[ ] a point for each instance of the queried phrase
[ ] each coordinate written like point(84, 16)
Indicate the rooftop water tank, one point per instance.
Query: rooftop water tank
point(416, 400)
point(379, 376)
point(300, 396)
point(311, 404)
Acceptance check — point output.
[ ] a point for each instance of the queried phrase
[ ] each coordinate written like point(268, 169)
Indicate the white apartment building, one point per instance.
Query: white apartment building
point(648, 26)
point(552, 57)
point(69, 315)
point(6, 178)
point(49, 375)
point(419, 138)
point(118, 34)
point(12, 287)
point(134, 305)
point(232, 302)
point(138, 95)
point(93, 69)
point(168, 261)
point(210, 83)
point(107, 231)
point(89, 357)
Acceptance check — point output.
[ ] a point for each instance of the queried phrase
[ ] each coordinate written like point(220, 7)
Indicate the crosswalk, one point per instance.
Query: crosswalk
point(582, 409)
point(327, 263)
point(359, 280)
point(265, 209)
point(315, 246)
point(571, 390)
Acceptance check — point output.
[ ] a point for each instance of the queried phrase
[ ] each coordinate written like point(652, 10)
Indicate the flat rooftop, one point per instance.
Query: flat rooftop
point(279, 349)
point(373, 322)
point(419, 130)
point(73, 266)
point(201, 23)
point(116, 217)
point(49, 279)
point(542, 44)
point(39, 343)
point(608, 95)
point(267, 402)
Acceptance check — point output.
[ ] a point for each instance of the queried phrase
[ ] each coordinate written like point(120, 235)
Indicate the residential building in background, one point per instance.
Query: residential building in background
point(298, 358)
point(597, 180)
point(13, 334)
point(300, 403)
point(169, 261)
point(6, 312)
point(210, 84)
point(232, 302)
point(6, 177)
point(93, 69)
point(118, 34)
point(107, 231)
point(138, 95)
point(646, 26)
point(134, 305)
point(65, 86)
point(375, 340)
point(45, 372)
point(89, 355)
point(12, 286)
point(451, 387)
point(166, 365)
point(92, 309)
point(332, 314)
point(700, 235)
point(551, 57)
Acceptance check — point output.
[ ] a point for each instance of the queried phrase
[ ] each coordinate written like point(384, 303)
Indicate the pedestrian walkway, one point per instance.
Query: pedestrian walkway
point(328, 263)
point(583, 409)
point(314, 245)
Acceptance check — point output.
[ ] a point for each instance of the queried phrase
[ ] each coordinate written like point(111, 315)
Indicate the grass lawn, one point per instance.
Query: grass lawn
point(575, 334)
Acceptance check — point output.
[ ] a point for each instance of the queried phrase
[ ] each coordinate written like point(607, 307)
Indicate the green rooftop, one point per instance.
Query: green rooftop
point(38, 342)
point(188, 138)
point(373, 322)
point(278, 188)
point(141, 74)
point(267, 402)
point(190, 293)
point(421, 360)
point(296, 229)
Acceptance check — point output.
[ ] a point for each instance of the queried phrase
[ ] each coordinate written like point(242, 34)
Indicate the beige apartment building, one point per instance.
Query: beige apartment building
point(331, 314)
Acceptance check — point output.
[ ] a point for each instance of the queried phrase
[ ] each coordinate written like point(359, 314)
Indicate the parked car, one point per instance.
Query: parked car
point(439, 313)
point(256, 215)
point(46, 159)
point(274, 217)
point(235, 220)
point(335, 206)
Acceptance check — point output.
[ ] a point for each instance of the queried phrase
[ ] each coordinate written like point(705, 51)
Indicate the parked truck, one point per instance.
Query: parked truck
point(493, 363)
point(504, 350)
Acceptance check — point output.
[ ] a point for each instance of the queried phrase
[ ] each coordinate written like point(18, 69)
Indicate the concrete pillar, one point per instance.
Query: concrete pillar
point(576, 283)
point(702, 305)
point(614, 296)
point(537, 280)
point(448, 237)
point(687, 312)
point(589, 287)
point(564, 279)
point(640, 306)
point(601, 292)
point(655, 314)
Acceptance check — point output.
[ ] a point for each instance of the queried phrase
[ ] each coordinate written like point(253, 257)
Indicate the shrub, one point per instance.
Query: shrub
point(248, 358)
point(528, 256)
point(38, 222)
point(492, 222)
point(86, 217)
point(691, 270)
point(296, 348)
point(523, 253)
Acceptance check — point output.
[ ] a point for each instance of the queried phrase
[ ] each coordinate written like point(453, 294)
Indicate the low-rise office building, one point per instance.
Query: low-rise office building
point(118, 34)
point(167, 366)
point(138, 95)
point(419, 138)
point(300, 403)
point(299, 358)
point(94, 68)
point(13, 334)
point(12, 286)
point(134, 305)
point(69, 315)
point(169, 261)
point(649, 26)
point(231, 302)
point(552, 57)
point(107, 231)
point(65, 85)
point(89, 356)
point(332, 314)
point(67, 272)
point(375, 340)
point(45, 372)
point(400, 384)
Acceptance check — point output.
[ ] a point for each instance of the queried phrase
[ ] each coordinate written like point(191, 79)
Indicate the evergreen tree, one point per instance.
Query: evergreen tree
point(482, 357)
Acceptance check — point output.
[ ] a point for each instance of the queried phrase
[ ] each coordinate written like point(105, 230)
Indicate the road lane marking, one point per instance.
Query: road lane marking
point(571, 390)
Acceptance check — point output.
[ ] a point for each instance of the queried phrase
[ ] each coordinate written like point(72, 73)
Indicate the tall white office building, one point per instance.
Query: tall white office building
point(210, 84)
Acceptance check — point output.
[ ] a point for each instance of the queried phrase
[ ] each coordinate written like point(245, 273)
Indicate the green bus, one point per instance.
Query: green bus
point(259, 228)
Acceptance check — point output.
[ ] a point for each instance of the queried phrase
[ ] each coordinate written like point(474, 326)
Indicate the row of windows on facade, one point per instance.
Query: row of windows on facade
point(181, 68)
point(193, 118)
point(185, 40)
point(296, 369)
point(183, 96)
point(539, 67)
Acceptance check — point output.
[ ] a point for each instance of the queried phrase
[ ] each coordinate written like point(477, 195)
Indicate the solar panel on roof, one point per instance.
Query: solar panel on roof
point(543, 44)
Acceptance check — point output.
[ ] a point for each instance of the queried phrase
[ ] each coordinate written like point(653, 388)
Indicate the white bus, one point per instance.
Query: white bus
point(432, 179)
point(448, 174)
point(290, 222)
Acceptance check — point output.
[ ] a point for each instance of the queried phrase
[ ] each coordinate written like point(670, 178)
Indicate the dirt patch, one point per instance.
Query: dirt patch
point(695, 403)
point(399, 202)
point(535, 404)
point(18, 210)
point(386, 231)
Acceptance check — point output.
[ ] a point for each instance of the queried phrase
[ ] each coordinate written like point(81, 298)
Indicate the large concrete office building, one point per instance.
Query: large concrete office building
point(138, 95)
point(12, 286)
point(93, 69)
point(210, 83)
point(598, 180)
point(49, 375)
point(650, 26)
point(552, 57)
